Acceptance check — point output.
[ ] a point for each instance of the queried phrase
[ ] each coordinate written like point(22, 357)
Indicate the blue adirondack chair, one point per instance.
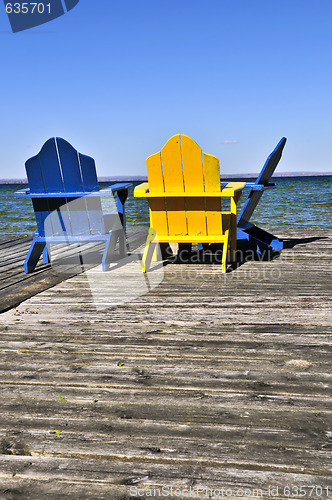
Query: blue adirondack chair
point(246, 230)
point(64, 191)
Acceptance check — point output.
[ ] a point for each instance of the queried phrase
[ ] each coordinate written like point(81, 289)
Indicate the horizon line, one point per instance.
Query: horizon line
point(113, 178)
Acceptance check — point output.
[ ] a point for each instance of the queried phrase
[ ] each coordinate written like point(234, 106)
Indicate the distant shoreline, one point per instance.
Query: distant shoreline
point(130, 178)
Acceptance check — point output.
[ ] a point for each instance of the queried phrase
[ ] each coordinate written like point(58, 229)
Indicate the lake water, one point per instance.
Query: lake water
point(300, 202)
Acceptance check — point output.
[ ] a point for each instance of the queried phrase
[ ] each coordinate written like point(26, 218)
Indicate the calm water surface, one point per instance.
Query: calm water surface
point(300, 202)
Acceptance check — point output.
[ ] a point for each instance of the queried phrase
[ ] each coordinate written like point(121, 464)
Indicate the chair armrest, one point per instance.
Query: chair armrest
point(260, 187)
point(141, 189)
point(22, 193)
point(25, 193)
point(235, 186)
point(253, 185)
point(229, 190)
point(116, 187)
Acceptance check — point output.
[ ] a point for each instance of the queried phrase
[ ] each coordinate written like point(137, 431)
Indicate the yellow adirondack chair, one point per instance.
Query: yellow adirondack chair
point(184, 195)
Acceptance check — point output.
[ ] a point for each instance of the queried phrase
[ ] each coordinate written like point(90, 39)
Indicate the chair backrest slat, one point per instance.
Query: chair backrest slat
point(263, 178)
point(173, 181)
point(211, 173)
point(50, 168)
point(172, 165)
point(70, 168)
point(93, 204)
point(155, 173)
point(192, 165)
point(192, 168)
point(73, 211)
point(271, 163)
point(34, 175)
point(214, 218)
point(89, 174)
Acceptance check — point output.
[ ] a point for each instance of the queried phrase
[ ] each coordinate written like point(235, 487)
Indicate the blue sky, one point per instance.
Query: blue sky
point(117, 79)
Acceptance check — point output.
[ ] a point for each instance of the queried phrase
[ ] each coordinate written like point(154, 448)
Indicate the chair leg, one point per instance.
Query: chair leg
point(155, 254)
point(224, 252)
point(46, 255)
point(122, 243)
point(150, 247)
point(109, 249)
point(35, 251)
point(117, 234)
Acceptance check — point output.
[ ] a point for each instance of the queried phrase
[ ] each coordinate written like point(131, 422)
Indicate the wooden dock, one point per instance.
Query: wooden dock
point(16, 286)
point(208, 385)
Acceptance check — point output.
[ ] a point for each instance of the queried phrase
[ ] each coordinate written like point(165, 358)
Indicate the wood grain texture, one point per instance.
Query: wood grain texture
point(224, 381)
point(193, 183)
point(155, 173)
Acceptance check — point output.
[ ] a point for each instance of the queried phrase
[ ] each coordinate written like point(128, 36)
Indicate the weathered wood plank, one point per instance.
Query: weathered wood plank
point(192, 452)
point(30, 477)
point(190, 419)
